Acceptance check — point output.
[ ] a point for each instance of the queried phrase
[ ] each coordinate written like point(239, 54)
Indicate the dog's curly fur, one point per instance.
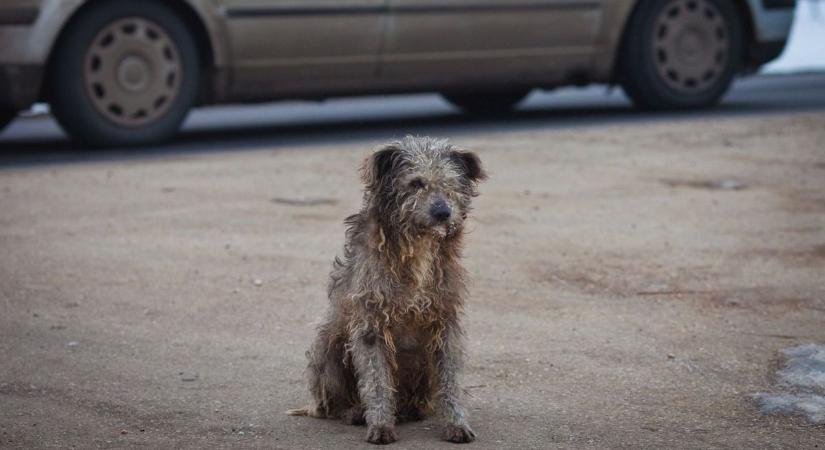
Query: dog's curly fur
point(390, 347)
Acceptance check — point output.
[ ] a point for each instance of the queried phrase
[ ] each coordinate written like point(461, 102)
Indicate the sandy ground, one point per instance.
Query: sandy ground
point(632, 288)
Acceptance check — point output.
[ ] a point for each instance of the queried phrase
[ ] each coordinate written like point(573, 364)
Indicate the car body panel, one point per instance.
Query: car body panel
point(213, 18)
point(272, 49)
point(30, 44)
point(488, 41)
point(277, 43)
point(615, 15)
point(25, 46)
point(770, 25)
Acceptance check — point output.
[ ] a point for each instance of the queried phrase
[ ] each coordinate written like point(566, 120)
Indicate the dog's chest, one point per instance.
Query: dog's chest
point(421, 269)
point(410, 337)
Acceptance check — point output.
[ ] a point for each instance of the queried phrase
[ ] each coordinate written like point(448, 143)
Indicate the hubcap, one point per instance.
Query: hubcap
point(691, 43)
point(132, 72)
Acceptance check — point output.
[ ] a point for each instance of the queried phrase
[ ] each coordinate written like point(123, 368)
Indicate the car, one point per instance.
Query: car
point(127, 72)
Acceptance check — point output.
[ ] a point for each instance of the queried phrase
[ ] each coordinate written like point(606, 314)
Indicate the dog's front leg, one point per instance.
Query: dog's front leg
point(374, 386)
point(450, 361)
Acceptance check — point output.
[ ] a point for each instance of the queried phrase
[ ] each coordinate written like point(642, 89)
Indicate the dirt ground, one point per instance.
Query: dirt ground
point(632, 286)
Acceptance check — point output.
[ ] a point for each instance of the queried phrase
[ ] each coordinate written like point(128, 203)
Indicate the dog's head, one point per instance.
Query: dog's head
point(422, 185)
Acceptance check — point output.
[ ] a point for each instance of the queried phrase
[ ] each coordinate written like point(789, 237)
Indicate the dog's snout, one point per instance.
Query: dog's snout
point(440, 211)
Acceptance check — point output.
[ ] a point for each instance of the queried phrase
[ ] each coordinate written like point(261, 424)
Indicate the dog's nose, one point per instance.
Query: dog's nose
point(440, 211)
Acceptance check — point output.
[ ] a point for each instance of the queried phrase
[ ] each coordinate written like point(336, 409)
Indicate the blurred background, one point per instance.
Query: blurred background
point(801, 64)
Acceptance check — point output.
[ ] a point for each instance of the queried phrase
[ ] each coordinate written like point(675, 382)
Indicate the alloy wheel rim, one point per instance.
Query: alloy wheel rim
point(132, 72)
point(691, 45)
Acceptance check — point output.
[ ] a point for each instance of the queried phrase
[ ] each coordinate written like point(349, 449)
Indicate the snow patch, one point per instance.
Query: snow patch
point(812, 407)
point(805, 367)
point(804, 377)
point(805, 51)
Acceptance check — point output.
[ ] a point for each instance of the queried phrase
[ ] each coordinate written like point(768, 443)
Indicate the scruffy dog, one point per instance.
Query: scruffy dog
point(390, 347)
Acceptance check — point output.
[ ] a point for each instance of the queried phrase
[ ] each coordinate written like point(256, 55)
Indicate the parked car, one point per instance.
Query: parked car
point(126, 72)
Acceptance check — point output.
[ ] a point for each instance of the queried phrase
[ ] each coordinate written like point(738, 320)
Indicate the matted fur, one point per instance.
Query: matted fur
point(390, 346)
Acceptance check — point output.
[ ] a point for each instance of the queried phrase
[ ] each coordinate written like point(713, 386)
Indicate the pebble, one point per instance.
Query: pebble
point(257, 282)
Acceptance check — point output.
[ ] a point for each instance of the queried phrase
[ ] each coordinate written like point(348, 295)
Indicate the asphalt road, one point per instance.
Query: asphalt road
point(634, 277)
point(290, 124)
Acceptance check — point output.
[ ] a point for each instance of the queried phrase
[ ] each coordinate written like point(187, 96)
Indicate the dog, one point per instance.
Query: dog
point(390, 348)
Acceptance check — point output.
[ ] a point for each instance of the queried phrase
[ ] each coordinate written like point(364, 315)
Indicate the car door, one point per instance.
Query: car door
point(287, 47)
point(461, 41)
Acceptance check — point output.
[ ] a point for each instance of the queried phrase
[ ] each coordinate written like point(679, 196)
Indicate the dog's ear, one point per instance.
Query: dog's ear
point(470, 165)
point(379, 165)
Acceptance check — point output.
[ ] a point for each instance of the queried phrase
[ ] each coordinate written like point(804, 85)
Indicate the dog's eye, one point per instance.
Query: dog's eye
point(417, 183)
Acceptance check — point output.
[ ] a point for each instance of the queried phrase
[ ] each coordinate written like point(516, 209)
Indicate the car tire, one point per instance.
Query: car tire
point(486, 103)
point(680, 54)
point(6, 117)
point(124, 73)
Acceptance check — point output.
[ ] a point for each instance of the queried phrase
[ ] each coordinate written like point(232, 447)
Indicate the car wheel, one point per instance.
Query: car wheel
point(680, 53)
point(6, 116)
point(486, 102)
point(124, 73)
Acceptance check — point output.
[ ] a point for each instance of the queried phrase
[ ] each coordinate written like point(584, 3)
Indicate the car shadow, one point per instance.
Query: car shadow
point(29, 151)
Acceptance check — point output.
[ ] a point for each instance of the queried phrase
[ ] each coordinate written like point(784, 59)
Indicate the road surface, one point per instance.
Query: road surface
point(300, 124)
point(634, 276)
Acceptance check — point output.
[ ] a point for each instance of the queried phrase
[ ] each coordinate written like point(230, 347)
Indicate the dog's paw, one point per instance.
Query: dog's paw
point(460, 434)
point(381, 434)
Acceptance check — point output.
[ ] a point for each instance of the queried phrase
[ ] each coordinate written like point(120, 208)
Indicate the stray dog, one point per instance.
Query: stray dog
point(390, 347)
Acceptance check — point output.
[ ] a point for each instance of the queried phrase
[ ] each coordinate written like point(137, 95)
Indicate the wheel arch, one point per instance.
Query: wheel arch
point(742, 7)
point(202, 25)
